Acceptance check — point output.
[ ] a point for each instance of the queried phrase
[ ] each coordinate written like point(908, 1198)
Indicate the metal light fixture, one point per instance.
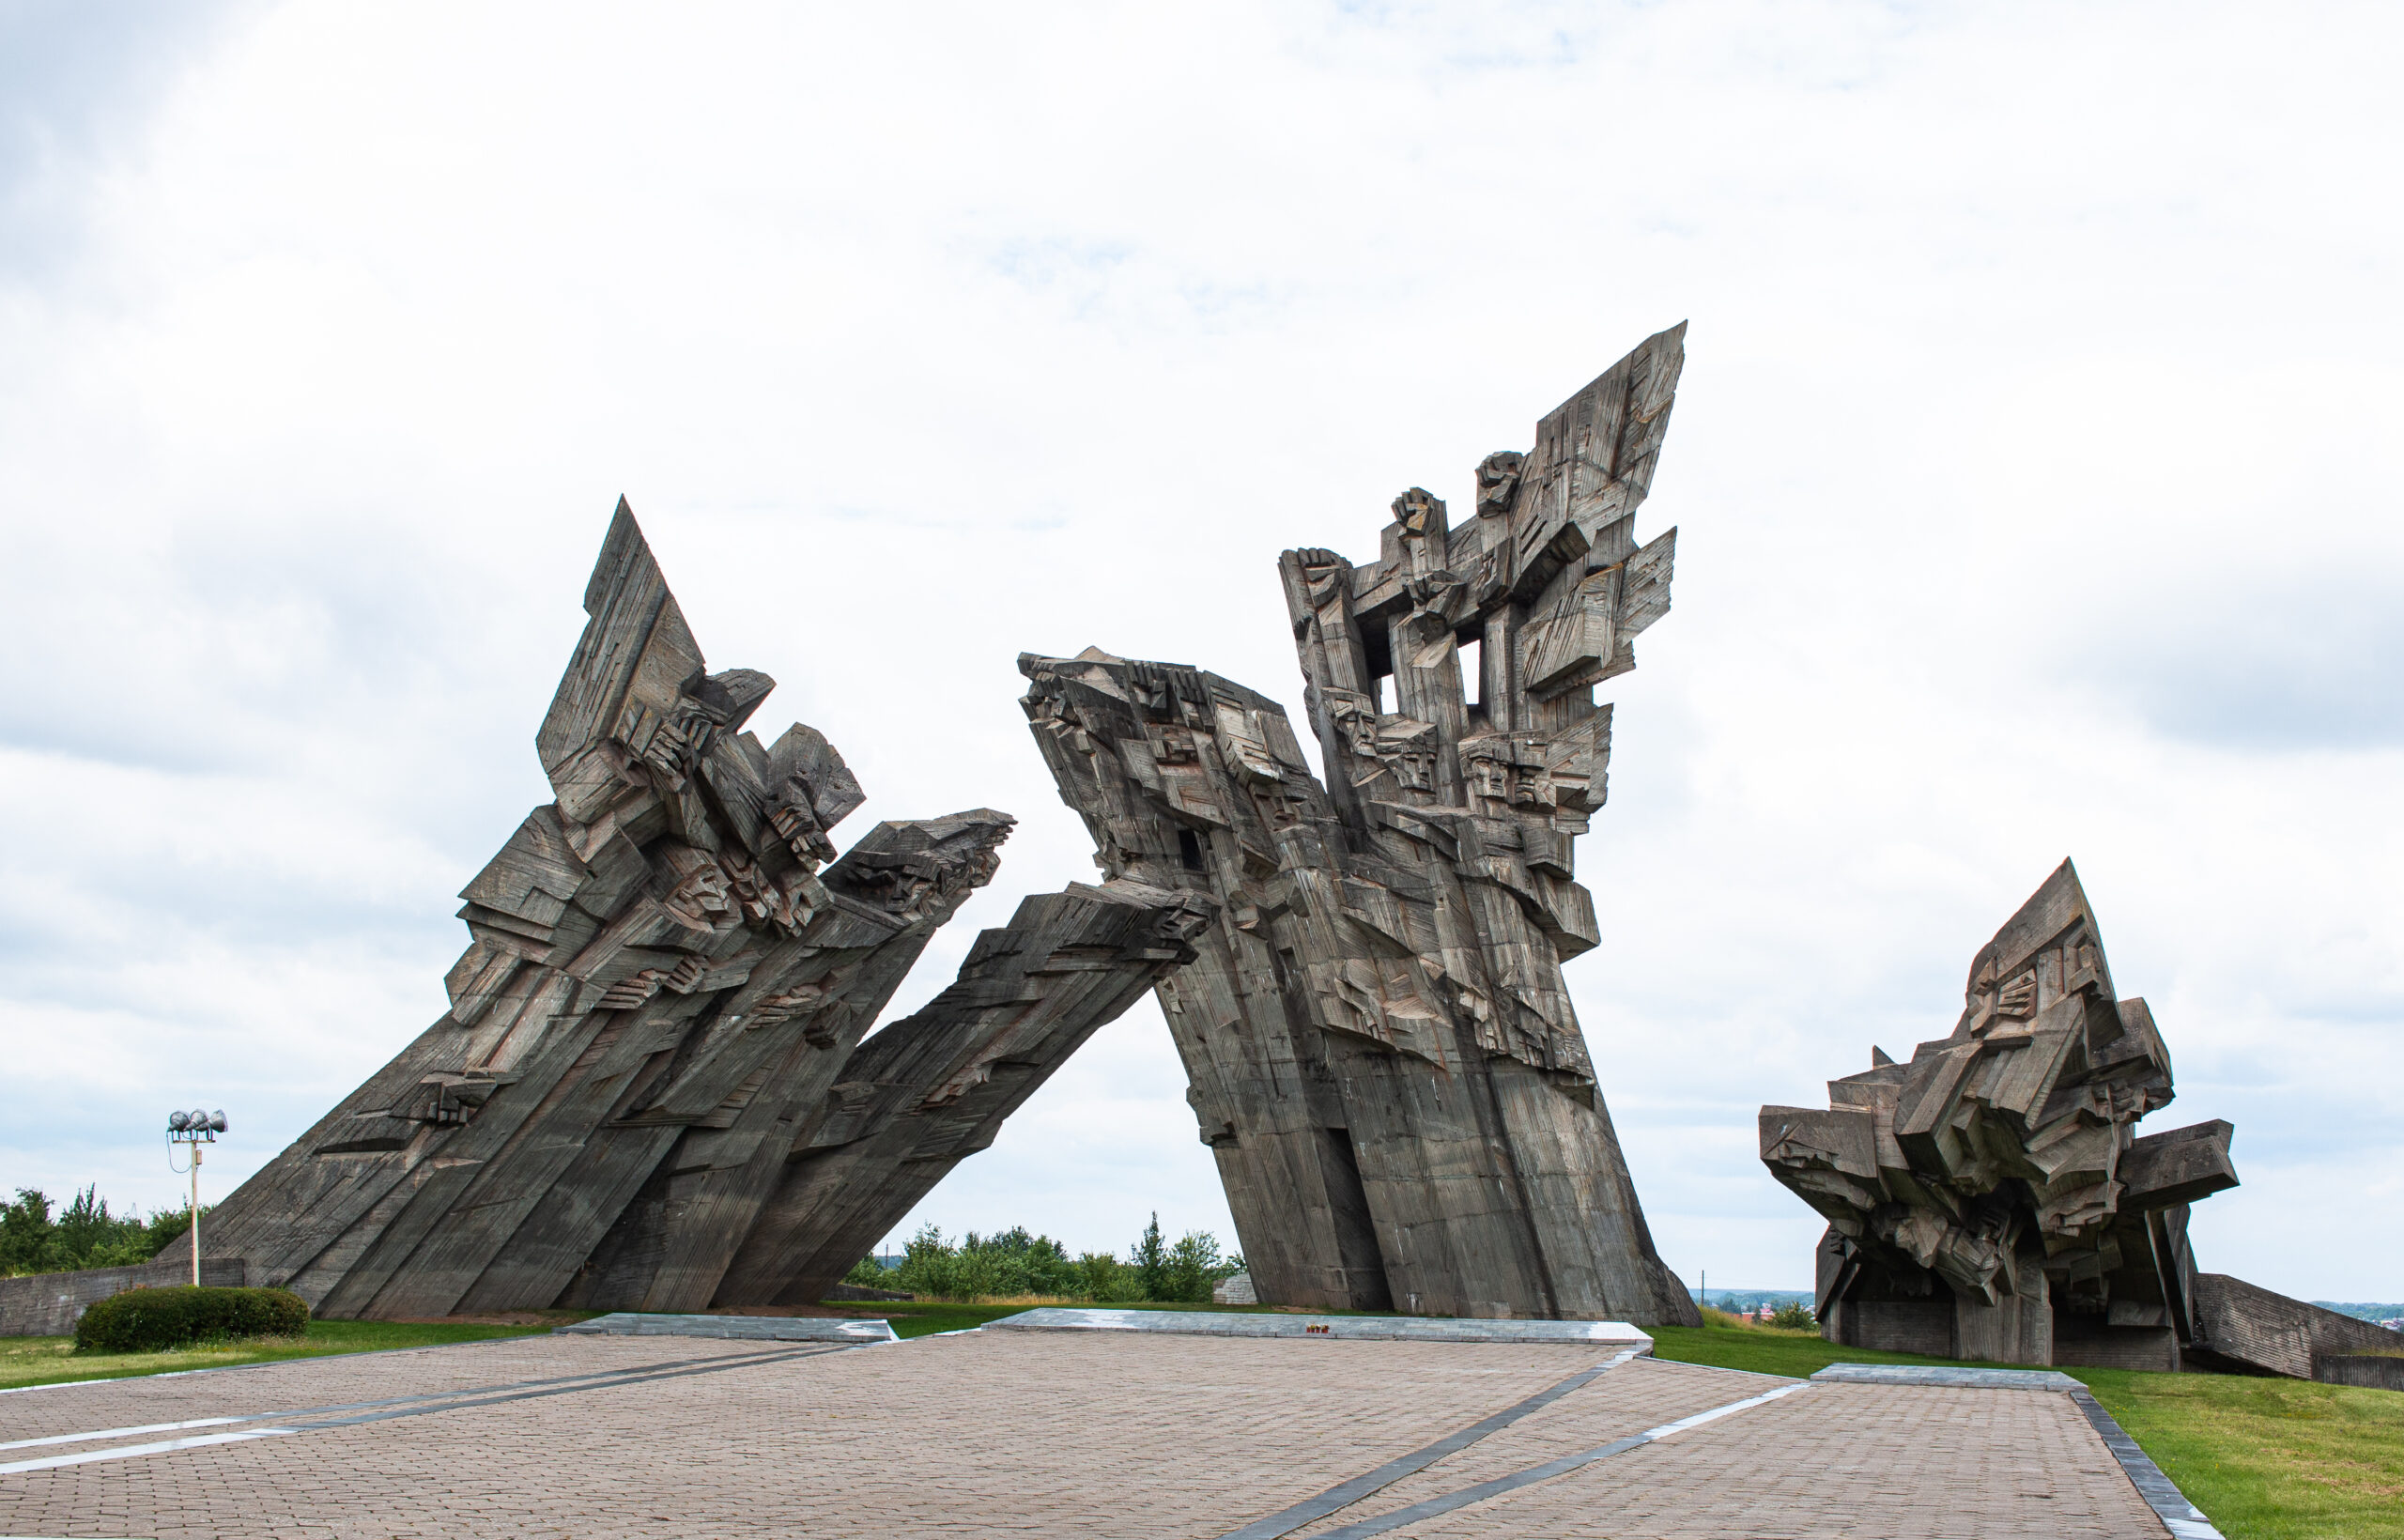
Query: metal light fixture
point(194, 1128)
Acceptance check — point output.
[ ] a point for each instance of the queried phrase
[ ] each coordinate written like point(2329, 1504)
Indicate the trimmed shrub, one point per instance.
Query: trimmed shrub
point(149, 1320)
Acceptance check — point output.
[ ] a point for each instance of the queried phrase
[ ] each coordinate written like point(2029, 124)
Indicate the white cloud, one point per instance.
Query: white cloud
point(2034, 470)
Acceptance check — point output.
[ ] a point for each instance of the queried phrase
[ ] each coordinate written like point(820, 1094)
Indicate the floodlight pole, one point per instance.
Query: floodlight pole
point(194, 1129)
point(195, 1215)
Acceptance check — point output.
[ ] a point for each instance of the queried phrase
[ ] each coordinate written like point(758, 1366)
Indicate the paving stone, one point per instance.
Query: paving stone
point(1124, 1434)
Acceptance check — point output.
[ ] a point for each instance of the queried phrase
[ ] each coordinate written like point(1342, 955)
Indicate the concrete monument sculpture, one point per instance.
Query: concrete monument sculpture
point(1381, 1049)
point(1990, 1198)
point(650, 1051)
point(651, 1090)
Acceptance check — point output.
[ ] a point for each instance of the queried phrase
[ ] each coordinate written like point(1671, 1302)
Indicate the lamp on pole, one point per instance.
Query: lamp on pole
point(194, 1128)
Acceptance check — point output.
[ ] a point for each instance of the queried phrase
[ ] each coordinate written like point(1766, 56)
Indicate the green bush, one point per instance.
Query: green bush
point(1794, 1316)
point(149, 1320)
point(1193, 1267)
point(1178, 1272)
point(1015, 1264)
point(1105, 1280)
point(1005, 1265)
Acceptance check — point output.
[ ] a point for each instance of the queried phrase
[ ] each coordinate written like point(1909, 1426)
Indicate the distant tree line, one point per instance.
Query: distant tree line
point(1016, 1265)
point(1794, 1316)
point(1740, 1302)
point(83, 1235)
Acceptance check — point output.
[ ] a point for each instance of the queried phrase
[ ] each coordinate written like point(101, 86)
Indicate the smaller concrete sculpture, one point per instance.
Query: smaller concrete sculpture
point(1992, 1199)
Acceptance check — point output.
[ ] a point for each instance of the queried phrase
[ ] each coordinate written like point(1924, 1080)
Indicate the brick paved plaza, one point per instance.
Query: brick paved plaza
point(1040, 1433)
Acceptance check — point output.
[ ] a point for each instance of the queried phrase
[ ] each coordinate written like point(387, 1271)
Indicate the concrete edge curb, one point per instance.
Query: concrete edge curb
point(850, 1330)
point(1945, 1377)
point(2181, 1518)
point(265, 1364)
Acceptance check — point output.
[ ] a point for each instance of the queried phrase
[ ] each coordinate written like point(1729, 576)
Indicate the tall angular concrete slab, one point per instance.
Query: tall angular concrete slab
point(1382, 1048)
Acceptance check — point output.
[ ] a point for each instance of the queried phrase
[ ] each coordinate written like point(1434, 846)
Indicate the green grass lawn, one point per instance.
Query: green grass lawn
point(51, 1361)
point(2269, 1459)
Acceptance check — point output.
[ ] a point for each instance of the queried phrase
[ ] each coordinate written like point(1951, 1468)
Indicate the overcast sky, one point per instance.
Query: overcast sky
point(2036, 471)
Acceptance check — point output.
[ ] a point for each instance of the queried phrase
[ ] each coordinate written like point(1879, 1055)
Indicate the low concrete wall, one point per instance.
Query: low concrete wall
point(2082, 1342)
point(2262, 1330)
point(46, 1304)
point(2379, 1371)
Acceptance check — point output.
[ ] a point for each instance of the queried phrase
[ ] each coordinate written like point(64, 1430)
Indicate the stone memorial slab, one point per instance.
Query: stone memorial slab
point(741, 1328)
point(1948, 1375)
point(1202, 1323)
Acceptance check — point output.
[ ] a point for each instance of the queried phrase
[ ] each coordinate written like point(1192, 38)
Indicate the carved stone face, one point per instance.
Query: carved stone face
point(1320, 581)
point(1533, 788)
point(1357, 719)
point(1183, 923)
point(1489, 780)
point(704, 898)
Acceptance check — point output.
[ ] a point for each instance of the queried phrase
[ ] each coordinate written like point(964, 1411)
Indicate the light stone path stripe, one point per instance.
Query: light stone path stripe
point(1434, 1506)
point(396, 1406)
point(123, 1433)
point(348, 1406)
point(1312, 1509)
point(251, 1368)
point(2181, 1518)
